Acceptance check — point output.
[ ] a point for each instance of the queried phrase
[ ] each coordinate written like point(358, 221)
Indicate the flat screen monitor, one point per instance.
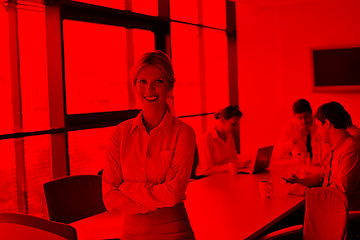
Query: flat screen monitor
point(337, 69)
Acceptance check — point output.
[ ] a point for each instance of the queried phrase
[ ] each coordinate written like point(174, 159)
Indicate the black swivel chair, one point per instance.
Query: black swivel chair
point(195, 164)
point(73, 198)
point(14, 226)
point(326, 217)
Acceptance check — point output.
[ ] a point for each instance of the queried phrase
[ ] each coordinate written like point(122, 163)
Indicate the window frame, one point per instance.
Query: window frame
point(60, 122)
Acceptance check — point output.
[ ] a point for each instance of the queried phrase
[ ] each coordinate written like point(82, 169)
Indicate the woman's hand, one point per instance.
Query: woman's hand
point(300, 134)
point(243, 164)
point(232, 167)
point(292, 179)
point(297, 189)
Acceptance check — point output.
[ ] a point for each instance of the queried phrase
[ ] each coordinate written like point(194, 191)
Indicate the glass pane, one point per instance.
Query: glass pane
point(210, 122)
point(195, 123)
point(216, 69)
point(33, 69)
point(87, 150)
point(144, 41)
point(8, 189)
point(116, 4)
point(184, 10)
point(214, 13)
point(95, 67)
point(38, 172)
point(6, 120)
point(148, 7)
point(200, 124)
point(185, 57)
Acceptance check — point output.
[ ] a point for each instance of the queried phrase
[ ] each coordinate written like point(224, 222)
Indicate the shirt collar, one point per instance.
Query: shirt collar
point(213, 133)
point(137, 122)
point(165, 124)
point(352, 129)
point(341, 140)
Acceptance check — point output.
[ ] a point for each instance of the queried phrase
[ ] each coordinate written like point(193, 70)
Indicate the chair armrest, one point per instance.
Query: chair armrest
point(354, 215)
point(283, 232)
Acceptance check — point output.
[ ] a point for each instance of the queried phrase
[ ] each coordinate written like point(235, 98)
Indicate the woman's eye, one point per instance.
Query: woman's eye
point(141, 81)
point(159, 81)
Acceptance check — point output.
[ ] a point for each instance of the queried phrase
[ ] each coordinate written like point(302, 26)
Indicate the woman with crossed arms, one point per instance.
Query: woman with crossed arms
point(149, 159)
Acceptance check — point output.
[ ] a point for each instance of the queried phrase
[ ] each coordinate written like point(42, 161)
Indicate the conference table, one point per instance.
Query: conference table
point(221, 206)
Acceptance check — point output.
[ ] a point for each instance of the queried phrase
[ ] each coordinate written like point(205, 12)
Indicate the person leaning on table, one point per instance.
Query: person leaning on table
point(149, 159)
point(299, 136)
point(343, 165)
point(217, 152)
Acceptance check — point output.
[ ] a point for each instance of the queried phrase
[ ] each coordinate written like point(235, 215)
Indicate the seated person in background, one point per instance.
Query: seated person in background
point(351, 128)
point(299, 137)
point(343, 165)
point(149, 159)
point(217, 152)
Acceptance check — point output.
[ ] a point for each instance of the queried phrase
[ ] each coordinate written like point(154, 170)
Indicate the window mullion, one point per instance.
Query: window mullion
point(17, 110)
point(59, 149)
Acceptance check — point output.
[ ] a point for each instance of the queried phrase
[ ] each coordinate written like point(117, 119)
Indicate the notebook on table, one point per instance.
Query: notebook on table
point(262, 161)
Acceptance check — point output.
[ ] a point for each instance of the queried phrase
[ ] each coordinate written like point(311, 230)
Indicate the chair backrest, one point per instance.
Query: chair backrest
point(73, 198)
point(195, 162)
point(14, 226)
point(326, 214)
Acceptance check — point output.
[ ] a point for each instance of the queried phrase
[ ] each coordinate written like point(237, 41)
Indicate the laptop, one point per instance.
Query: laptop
point(262, 161)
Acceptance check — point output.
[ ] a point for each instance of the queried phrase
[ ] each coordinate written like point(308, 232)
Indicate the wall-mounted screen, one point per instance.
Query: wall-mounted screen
point(337, 69)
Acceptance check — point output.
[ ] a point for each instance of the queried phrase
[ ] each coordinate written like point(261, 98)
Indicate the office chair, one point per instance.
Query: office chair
point(326, 217)
point(14, 226)
point(73, 198)
point(195, 164)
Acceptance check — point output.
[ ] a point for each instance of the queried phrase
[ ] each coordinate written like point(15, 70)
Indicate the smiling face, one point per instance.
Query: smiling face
point(152, 87)
point(304, 120)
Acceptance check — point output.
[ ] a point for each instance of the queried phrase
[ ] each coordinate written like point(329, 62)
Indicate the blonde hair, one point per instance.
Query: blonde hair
point(160, 60)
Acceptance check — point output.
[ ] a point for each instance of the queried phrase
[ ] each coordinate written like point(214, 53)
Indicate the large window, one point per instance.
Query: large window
point(8, 188)
point(24, 149)
point(200, 71)
point(64, 81)
point(200, 57)
point(6, 120)
point(87, 150)
point(34, 88)
point(96, 65)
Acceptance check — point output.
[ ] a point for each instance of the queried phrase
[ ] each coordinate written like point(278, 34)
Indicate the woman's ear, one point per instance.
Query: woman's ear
point(170, 98)
point(221, 118)
point(327, 124)
point(170, 93)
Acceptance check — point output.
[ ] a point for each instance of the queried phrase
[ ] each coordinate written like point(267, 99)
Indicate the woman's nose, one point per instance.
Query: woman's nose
point(150, 87)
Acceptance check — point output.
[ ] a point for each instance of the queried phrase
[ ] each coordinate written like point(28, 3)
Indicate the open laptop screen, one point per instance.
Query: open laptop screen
point(263, 158)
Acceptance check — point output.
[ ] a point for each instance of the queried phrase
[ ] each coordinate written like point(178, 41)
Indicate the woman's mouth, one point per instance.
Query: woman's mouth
point(151, 98)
